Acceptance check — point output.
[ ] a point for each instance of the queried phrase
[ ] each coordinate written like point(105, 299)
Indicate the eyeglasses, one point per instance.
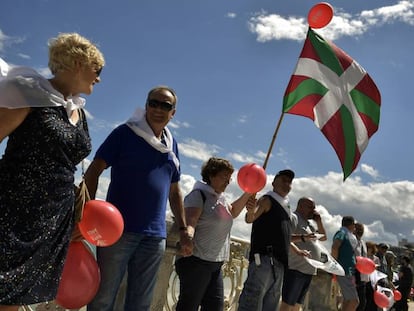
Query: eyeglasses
point(166, 106)
point(225, 176)
point(98, 71)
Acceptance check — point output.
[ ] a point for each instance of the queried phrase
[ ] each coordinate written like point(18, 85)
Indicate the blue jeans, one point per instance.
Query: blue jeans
point(201, 284)
point(142, 256)
point(262, 288)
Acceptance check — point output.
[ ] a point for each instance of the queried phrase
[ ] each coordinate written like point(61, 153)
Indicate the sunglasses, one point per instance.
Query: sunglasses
point(98, 71)
point(166, 106)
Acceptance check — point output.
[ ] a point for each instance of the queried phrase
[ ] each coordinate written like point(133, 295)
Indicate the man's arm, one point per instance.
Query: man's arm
point(92, 174)
point(263, 205)
point(176, 204)
point(177, 208)
point(321, 229)
point(192, 214)
point(297, 237)
point(335, 248)
point(238, 205)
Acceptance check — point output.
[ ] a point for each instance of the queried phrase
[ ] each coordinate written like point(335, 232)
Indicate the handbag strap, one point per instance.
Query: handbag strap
point(81, 118)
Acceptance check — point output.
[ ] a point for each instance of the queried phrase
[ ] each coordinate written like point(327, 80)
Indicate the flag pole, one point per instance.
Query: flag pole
point(273, 140)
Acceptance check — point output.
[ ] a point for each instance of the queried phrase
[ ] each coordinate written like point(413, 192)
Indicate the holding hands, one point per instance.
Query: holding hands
point(251, 204)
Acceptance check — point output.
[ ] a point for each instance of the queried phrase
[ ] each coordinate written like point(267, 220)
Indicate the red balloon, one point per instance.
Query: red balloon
point(397, 295)
point(102, 223)
point(365, 265)
point(320, 15)
point(251, 178)
point(80, 277)
point(381, 300)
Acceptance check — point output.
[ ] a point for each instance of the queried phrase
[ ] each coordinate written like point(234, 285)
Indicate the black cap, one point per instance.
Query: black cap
point(383, 245)
point(288, 173)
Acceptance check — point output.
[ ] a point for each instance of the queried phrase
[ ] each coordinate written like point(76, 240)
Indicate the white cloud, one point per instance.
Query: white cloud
point(246, 158)
point(194, 149)
point(369, 170)
point(44, 71)
point(402, 11)
point(24, 56)
point(276, 27)
point(6, 40)
point(375, 204)
point(3, 39)
point(175, 124)
point(242, 119)
point(231, 15)
point(100, 125)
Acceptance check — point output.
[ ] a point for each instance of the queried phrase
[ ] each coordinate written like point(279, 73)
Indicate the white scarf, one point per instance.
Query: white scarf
point(138, 123)
point(199, 185)
point(24, 87)
point(283, 201)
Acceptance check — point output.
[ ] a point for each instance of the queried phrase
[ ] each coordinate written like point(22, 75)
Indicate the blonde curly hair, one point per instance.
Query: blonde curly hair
point(69, 49)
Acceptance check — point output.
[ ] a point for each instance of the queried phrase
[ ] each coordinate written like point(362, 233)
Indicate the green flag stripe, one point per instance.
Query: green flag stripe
point(325, 53)
point(349, 138)
point(305, 88)
point(366, 105)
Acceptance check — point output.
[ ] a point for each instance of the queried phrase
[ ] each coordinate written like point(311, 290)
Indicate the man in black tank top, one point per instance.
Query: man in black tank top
point(269, 246)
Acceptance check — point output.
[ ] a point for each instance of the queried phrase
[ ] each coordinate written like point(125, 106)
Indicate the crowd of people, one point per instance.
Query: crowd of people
point(358, 288)
point(47, 133)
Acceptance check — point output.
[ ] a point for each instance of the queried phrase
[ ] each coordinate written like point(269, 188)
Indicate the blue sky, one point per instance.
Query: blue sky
point(230, 62)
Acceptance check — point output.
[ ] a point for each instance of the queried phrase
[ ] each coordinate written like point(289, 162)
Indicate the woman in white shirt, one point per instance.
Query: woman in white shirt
point(209, 220)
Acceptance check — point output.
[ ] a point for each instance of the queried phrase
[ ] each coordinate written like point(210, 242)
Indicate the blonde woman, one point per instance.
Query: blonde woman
point(47, 137)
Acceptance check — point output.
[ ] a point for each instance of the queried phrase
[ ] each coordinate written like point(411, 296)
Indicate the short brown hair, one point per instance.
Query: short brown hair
point(214, 166)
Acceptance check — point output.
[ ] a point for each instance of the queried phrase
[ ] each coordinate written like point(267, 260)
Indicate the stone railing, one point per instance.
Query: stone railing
point(323, 293)
point(167, 289)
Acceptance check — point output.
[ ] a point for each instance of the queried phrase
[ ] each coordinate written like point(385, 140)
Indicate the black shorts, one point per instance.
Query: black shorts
point(295, 287)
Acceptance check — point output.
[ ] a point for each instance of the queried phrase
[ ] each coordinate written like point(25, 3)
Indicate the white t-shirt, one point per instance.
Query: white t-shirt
point(297, 262)
point(212, 232)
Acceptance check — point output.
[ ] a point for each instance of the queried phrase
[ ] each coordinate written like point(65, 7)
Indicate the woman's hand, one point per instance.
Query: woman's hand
point(186, 244)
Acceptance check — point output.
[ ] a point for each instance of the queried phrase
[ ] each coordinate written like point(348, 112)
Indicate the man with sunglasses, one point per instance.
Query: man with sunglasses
point(145, 172)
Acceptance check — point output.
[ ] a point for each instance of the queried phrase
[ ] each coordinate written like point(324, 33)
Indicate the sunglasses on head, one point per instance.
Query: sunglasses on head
point(166, 106)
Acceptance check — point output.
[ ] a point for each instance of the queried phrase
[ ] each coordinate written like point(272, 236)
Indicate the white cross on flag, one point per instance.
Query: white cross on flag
point(333, 90)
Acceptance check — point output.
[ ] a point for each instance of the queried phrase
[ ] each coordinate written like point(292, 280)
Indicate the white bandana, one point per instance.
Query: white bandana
point(199, 185)
point(138, 123)
point(283, 201)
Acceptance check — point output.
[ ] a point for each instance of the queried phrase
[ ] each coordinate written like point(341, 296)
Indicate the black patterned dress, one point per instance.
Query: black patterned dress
point(36, 203)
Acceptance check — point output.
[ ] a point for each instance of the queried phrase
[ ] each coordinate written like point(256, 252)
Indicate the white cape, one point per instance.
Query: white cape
point(24, 87)
point(327, 263)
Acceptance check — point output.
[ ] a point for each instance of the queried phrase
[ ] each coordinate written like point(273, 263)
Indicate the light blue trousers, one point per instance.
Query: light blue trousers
point(138, 254)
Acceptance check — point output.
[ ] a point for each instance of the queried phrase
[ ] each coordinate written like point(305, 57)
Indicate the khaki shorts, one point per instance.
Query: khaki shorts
point(348, 287)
